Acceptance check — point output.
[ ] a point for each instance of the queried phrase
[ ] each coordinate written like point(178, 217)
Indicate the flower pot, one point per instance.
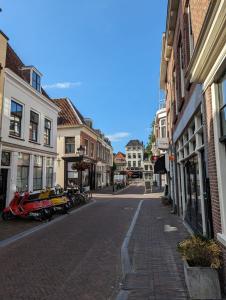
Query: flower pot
point(202, 282)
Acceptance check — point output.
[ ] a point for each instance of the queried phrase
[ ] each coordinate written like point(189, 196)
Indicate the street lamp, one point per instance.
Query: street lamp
point(79, 157)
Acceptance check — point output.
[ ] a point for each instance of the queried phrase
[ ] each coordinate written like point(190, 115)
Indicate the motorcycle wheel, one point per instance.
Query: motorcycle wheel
point(7, 216)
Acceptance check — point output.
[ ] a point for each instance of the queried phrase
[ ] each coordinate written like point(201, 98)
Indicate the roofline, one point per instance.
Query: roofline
point(5, 36)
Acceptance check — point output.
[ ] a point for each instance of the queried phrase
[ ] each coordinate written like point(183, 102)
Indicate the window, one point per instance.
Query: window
point(49, 172)
point(190, 32)
point(134, 155)
point(129, 155)
point(162, 124)
point(47, 132)
point(92, 150)
point(139, 163)
point(134, 163)
point(146, 167)
point(129, 164)
point(181, 62)
point(139, 155)
point(175, 92)
point(23, 172)
point(86, 145)
point(33, 130)
point(37, 173)
point(15, 119)
point(5, 160)
point(222, 105)
point(36, 81)
point(69, 145)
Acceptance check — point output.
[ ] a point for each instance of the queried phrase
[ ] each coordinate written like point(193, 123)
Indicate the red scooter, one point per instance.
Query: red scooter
point(23, 206)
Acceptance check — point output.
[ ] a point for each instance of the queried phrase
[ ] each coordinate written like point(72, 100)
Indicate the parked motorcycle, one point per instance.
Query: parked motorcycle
point(22, 206)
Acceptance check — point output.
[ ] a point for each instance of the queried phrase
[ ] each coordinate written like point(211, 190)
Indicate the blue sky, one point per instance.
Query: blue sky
point(102, 54)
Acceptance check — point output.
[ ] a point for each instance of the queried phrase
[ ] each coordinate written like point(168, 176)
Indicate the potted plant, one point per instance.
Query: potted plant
point(201, 260)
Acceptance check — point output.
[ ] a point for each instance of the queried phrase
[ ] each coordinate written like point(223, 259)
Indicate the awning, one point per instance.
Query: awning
point(159, 166)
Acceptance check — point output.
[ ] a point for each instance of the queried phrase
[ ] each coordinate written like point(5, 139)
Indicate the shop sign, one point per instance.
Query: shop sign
point(162, 143)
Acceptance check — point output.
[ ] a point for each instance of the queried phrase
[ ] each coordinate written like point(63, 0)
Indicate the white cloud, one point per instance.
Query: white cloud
point(118, 136)
point(62, 85)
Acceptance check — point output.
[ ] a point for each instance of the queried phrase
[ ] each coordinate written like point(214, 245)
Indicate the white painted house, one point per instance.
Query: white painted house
point(28, 131)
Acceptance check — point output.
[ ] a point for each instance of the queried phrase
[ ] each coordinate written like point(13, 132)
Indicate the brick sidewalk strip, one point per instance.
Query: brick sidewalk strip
point(157, 266)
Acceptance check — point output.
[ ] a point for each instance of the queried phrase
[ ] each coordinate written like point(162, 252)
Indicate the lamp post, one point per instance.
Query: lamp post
point(80, 154)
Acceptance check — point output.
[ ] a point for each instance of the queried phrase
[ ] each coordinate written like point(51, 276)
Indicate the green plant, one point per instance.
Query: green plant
point(199, 251)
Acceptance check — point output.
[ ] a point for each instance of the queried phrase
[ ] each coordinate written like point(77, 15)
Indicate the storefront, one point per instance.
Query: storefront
point(75, 171)
point(191, 172)
point(21, 171)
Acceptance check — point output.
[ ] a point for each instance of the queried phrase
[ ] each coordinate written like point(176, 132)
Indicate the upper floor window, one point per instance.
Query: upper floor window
point(129, 164)
point(16, 114)
point(162, 125)
point(129, 155)
point(222, 105)
point(36, 81)
point(181, 65)
point(139, 155)
point(33, 129)
point(47, 132)
point(134, 155)
point(134, 163)
point(86, 145)
point(92, 150)
point(69, 145)
point(190, 32)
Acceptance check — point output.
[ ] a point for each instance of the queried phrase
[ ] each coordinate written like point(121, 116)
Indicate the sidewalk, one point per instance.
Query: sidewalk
point(157, 266)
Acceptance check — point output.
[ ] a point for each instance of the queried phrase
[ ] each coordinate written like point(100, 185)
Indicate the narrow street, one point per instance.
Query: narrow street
point(79, 256)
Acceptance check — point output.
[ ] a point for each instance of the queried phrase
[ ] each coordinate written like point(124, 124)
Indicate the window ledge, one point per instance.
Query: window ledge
point(222, 238)
point(33, 142)
point(16, 137)
point(48, 146)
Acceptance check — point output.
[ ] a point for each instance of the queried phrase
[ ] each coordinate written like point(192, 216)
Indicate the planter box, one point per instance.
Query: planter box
point(202, 282)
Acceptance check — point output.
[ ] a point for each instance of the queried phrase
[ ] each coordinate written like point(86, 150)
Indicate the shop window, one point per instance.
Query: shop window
point(33, 129)
point(222, 106)
point(49, 172)
point(37, 173)
point(15, 119)
point(69, 145)
point(23, 172)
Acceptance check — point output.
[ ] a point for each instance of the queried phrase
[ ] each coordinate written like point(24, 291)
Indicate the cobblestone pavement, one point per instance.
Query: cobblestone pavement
point(78, 257)
point(157, 267)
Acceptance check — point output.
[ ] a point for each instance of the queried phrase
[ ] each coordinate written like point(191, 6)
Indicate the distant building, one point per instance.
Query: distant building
point(73, 131)
point(134, 155)
point(120, 162)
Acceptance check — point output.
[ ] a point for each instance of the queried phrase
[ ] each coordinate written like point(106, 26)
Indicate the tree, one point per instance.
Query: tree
point(151, 140)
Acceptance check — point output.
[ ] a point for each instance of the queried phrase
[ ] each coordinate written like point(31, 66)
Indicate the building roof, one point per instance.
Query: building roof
point(69, 114)
point(134, 143)
point(15, 64)
point(120, 155)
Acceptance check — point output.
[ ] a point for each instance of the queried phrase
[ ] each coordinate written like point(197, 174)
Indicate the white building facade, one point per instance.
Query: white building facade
point(28, 132)
point(134, 155)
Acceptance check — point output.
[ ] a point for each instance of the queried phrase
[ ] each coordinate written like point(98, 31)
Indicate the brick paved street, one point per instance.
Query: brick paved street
point(79, 256)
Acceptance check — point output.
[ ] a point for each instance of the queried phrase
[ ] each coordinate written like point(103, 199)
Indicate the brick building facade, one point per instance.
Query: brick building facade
point(192, 74)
